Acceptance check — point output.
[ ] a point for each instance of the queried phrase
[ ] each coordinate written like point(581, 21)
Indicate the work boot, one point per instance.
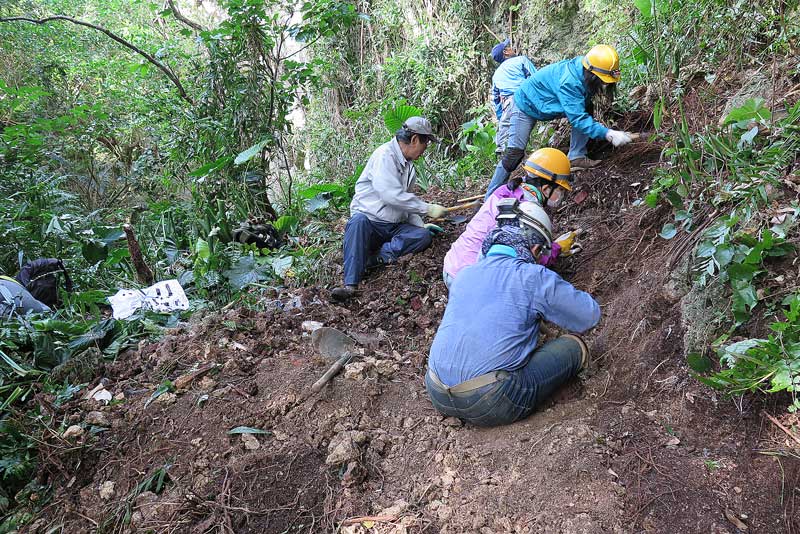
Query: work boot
point(343, 294)
point(583, 164)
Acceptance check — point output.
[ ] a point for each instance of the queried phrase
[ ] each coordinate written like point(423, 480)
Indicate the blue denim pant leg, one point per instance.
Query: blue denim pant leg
point(577, 144)
point(364, 238)
point(361, 239)
point(519, 132)
point(484, 406)
point(504, 124)
point(405, 239)
point(548, 368)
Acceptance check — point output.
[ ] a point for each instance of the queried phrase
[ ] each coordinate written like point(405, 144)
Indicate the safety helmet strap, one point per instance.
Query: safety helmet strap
point(550, 175)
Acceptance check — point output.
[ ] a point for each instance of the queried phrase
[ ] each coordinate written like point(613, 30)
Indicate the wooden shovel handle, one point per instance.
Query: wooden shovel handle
point(330, 373)
point(470, 199)
point(459, 207)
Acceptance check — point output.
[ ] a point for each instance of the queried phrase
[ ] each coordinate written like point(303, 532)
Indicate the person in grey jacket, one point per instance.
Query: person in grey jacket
point(385, 217)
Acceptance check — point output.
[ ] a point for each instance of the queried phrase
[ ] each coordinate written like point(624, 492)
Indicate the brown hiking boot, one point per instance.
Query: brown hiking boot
point(583, 164)
point(343, 294)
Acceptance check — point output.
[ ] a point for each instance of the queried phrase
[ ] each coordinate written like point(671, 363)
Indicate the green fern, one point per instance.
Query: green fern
point(396, 116)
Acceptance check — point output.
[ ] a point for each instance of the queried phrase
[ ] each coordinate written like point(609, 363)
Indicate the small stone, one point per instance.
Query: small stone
point(344, 447)
point(107, 490)
point(250, 442)
point(672, 442)
point(737, 489)
point(453, 421)
point(355, 371)
point(310, 326)
point(166, 398)
point(73, 432)
point(119, 396)
point(626, 409)
point(206, 383)
point(196, 442)
point(97, 419)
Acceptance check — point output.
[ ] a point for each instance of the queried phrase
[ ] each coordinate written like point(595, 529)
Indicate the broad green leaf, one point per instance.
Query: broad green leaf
point(668, 231)
point(246, 270)
point(250, 153)
point(94, 251)
point(211, 167)
point(202, 249)
point(752, 110)
point(395, 117)
point(285, 223)
point(698, 363)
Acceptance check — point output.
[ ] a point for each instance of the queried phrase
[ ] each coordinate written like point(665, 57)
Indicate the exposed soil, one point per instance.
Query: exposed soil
point(634, 445)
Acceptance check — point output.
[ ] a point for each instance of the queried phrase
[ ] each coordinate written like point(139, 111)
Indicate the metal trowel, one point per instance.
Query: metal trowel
point(334, 345)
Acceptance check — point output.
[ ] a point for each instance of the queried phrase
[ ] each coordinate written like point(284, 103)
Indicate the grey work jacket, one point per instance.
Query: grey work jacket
point(382, 191)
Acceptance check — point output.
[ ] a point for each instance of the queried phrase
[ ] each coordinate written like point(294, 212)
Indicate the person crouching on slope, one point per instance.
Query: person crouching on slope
point(512, 71)
point(483, 365)
point(563, 89)
point(385, 217)
point(546, 182)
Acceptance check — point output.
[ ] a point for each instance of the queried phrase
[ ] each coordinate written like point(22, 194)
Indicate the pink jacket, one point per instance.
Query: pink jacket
point(466, 249)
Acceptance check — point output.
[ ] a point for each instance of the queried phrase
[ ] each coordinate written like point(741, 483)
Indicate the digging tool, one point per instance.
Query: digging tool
point(332, 344)
point(470, 199)
point(458, 207)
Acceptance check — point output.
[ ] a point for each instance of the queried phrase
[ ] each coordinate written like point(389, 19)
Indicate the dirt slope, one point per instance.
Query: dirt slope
point(635, 445)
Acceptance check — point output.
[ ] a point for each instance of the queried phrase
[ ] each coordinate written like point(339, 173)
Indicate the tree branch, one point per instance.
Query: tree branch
point(166, 70)
point(178, 15)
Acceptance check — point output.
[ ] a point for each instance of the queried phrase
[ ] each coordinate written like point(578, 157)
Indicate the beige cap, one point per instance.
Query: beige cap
point(420, 125)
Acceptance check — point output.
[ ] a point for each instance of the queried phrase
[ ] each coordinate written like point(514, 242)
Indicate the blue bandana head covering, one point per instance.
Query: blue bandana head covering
point(511, 236)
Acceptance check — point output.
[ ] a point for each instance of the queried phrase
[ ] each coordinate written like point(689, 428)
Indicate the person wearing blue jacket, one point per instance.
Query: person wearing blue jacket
point(563, 89)
point(513, 70)
point(484, 366)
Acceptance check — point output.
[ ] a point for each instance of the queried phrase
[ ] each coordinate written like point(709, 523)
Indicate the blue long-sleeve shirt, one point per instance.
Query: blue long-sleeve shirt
point(508, 77)
point(557, 91)
point(492, 317)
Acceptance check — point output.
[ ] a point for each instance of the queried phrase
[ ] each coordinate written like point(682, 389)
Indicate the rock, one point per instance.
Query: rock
point(453, 421)
point(166, 398)
point(737, 489)
point(73, 432)
point(107, 490)
point(207, 383)
point(310, 326)
point(97, 419)
point(386, 367)
point(672, 442)
point(355, 371)
point(250, 442)
point(344, 447)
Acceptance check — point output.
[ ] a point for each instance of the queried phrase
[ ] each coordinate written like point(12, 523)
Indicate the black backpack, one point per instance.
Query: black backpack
point(40, 278)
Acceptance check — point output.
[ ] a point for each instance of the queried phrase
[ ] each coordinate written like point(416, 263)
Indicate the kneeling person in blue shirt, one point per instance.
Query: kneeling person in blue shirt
point(483, 366)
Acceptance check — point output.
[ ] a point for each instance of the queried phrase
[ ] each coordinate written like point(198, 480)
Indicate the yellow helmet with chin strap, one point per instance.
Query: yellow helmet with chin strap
point(603, 60)
point(549, 164)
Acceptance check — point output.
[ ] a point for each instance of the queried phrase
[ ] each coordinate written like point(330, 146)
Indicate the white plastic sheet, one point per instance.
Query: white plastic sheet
point(162, 297)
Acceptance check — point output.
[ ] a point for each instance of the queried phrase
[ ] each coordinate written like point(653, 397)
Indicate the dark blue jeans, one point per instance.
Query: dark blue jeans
point(388, 241)
point(516, 394)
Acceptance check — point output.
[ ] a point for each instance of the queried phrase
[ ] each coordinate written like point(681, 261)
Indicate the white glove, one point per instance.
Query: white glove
point(617, 138)
point(435, 211)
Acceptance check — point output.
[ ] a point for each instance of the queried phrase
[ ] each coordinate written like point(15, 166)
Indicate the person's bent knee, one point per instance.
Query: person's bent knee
point(512, 158)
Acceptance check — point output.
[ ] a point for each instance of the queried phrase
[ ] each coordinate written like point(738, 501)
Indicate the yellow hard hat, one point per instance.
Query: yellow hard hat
point(550, 164)
point(603, 61)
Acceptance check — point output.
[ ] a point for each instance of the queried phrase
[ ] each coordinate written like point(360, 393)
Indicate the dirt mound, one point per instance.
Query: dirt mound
point(634, 445)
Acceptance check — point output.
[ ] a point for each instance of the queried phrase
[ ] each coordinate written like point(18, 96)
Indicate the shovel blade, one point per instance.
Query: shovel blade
point(332, 343)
